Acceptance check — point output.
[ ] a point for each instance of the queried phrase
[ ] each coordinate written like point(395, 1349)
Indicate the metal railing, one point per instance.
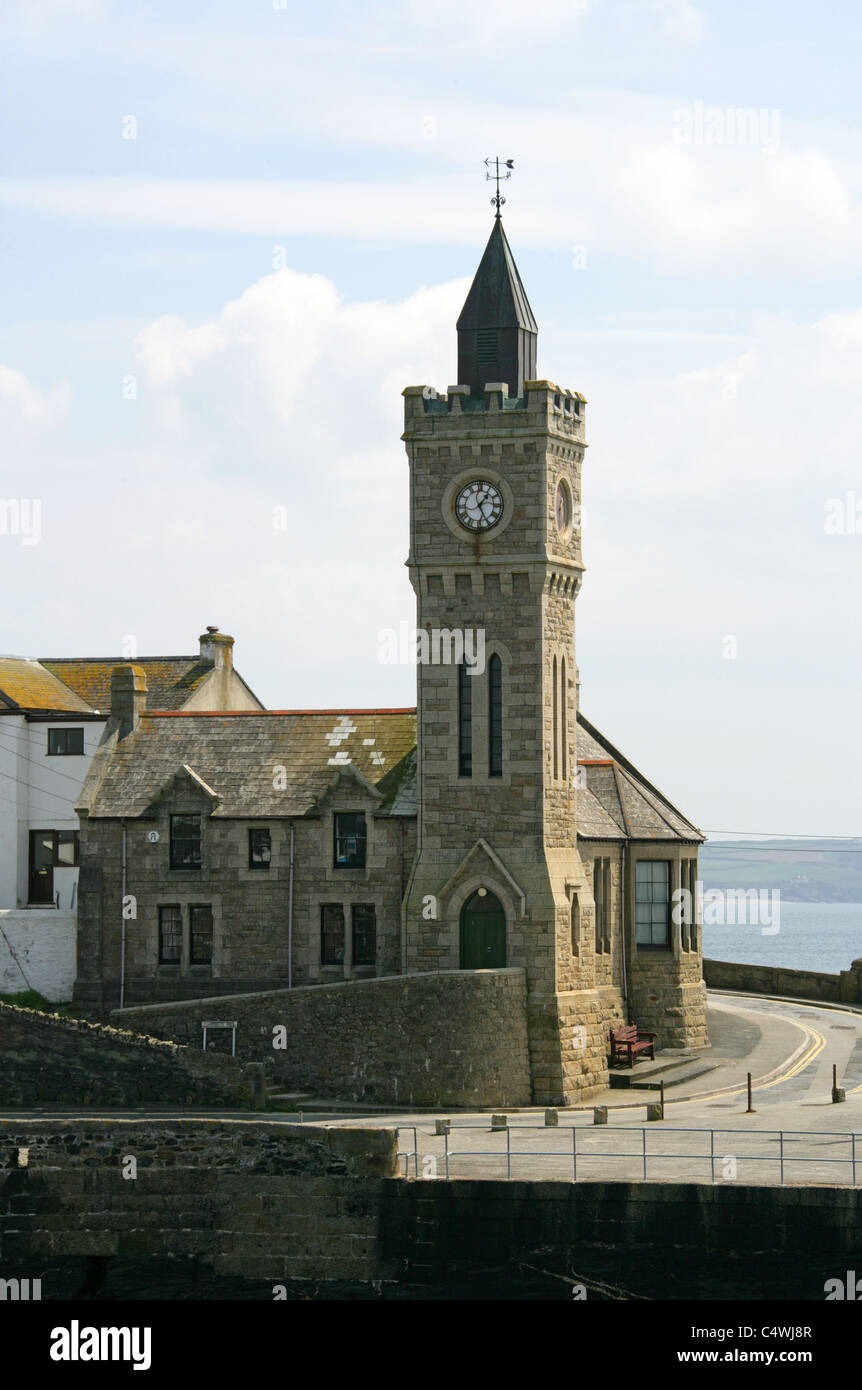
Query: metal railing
point(579, 1149)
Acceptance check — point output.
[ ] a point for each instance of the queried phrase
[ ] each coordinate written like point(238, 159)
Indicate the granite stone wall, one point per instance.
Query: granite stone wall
point(272, 1201)
point(48, 1059)
point(263, 1200)
point(457, 1038)
point(775, 979)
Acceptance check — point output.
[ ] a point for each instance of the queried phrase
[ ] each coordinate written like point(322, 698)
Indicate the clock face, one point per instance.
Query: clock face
point(479, 505)
point(563, 507)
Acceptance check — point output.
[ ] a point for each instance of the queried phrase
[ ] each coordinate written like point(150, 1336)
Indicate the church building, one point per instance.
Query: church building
point(493, 827)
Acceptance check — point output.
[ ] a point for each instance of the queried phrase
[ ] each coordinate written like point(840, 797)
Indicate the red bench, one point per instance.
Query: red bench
point(628, 1040)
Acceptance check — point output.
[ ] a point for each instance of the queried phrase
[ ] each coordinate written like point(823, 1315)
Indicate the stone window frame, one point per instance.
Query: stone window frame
point(481, 775)
point(363, 907)
point(262, 865)
point(665, 855)
point(201, 907)
point(198, 896)
point(172, 962)
point(341, 867)
point(324, 908)
point(186, 815)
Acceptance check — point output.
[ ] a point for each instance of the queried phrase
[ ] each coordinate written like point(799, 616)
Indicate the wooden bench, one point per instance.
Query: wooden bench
point(629, 1040)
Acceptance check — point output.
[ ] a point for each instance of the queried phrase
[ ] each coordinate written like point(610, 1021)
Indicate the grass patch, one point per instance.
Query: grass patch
point(32, 999)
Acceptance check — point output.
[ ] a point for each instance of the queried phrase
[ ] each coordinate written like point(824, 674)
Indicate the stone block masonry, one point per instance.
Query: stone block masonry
point(48, 1059)
point(457, 1038)
point(271, 1201)
point(261, 1200)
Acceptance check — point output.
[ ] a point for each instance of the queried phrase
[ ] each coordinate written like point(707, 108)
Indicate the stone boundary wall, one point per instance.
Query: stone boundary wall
point(454, 1038)
point(268, 1200)
point(48, 1058)
point(261, 1200)
point(664, 1240)
point(845, 988)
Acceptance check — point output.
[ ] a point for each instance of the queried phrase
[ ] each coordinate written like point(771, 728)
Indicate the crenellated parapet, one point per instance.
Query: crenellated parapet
point(544, 407)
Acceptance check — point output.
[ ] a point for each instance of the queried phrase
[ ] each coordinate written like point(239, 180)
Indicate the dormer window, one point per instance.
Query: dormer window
point(186, 852)
point(350, 838)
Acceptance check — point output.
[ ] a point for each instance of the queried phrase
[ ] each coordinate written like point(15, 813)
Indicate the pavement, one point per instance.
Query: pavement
point(797, 1134)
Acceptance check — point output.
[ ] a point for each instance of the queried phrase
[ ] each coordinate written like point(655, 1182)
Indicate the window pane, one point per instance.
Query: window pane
point(170, 935)
point(185, 842)
point(67, 849)
point(495, 716)
point(652, 902)
point(331, 933)
point(364, 935)
point(350, 840)
point(465, 721)
point(201, 930)
point(259, 849)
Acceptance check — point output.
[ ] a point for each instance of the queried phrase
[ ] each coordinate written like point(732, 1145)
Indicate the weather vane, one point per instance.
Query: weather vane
point(502, 170)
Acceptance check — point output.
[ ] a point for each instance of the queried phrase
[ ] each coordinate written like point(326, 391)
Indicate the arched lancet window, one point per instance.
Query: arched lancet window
point(555, 720)
point(563, 705)
point(576, 924)
point(465, 721)
point(495, 717)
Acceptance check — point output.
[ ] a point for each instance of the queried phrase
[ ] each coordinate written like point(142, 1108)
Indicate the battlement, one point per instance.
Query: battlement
point(544, 406)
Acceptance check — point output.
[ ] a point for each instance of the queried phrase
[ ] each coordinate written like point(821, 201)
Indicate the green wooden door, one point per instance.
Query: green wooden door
point(483, 932)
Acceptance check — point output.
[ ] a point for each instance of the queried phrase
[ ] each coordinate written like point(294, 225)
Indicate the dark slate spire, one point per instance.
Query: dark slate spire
point(496, 331)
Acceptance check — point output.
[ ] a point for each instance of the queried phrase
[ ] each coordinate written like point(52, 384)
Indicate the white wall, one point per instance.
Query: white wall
point(44, 942)
point(37, 792)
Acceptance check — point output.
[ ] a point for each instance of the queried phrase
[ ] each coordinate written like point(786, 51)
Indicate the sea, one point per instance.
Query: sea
point(810, 936)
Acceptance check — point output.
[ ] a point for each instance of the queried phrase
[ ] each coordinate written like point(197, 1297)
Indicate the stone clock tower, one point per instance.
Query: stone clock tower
point(495, 560)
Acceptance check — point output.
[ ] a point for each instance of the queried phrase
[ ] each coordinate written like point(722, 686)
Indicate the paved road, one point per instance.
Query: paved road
point(789, 1047)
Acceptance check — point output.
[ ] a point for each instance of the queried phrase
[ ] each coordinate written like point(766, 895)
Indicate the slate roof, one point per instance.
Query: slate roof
point(497, 298)
point(238, 755)
point(27, 686)
point(619, 802)
point(170, 679)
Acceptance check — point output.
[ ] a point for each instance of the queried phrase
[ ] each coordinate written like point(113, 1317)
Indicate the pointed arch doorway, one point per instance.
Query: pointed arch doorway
point(483, 932)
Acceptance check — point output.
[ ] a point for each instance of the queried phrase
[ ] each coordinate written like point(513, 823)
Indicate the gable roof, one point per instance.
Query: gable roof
point(619, 802)
point(268, 763)
point(282, 763)
point(170, 679)
point(27, 686)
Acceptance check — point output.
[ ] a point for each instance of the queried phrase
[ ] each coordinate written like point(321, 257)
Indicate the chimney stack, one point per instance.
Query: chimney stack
point(217, 648)
point(128, 697)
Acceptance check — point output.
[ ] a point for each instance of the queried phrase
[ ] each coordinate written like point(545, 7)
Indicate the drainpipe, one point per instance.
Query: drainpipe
point(290, 916)
point(624, 927)
point(123, 918)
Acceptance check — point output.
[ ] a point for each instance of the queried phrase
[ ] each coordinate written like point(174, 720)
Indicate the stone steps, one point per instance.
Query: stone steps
point(647, 1075)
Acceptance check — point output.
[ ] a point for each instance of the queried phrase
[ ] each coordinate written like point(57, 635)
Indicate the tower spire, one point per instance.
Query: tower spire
point(497, 332)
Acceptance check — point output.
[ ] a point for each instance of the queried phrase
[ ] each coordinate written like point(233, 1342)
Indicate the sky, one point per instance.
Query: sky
point(233, 232)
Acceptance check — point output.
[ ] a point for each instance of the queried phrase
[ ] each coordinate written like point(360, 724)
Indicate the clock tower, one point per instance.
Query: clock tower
point(495, 561)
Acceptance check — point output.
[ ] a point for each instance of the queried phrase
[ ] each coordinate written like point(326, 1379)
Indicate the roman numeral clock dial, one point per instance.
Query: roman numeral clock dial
point(479, 505)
